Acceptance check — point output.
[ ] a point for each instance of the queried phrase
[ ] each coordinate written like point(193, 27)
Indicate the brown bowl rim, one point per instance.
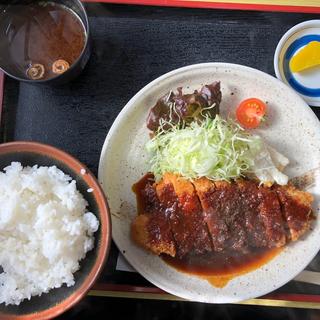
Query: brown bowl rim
point(105, 225)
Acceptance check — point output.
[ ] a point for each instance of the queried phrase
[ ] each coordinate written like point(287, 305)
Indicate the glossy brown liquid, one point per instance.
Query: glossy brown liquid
point(220, 267)
point(41, 34)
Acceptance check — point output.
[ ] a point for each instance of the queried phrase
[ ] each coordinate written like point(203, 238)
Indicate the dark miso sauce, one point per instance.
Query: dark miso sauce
point(216, 267)
point(40, 40)
point(219, 263)
point(220, 267)
point(138, 189)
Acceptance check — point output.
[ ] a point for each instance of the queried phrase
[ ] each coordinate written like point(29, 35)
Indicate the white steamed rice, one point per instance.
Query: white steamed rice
point(45, 230)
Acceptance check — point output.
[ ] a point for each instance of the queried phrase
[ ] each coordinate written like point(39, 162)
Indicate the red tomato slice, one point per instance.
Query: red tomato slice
point(250, 112)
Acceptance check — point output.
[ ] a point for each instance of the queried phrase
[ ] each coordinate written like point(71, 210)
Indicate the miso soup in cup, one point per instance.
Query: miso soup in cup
point(43, 41)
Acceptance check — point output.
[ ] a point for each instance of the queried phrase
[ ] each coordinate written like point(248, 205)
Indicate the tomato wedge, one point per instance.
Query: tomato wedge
point(250, 112)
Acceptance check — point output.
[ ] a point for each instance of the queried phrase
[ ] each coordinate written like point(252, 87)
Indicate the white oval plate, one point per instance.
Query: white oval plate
point(293, 129)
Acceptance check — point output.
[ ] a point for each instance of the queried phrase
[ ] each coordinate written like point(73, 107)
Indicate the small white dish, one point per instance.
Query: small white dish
point(292, 128)
point(307, 83)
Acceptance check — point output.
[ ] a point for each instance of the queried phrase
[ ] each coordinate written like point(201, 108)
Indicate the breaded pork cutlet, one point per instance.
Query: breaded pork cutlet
point(182, 217)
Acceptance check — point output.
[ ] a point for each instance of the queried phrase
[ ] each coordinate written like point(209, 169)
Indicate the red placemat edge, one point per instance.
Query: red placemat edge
point(216, 5)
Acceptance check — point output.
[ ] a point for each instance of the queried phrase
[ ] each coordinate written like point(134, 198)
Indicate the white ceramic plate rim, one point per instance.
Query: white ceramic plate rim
point(115, 127)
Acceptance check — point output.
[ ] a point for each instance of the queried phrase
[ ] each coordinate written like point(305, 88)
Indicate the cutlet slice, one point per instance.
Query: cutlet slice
point(270, 212)
point(263, 218)
point(230, 209)
point(186, 223)
point(250, 202)
point(151, 232)
point(189, 218)
point(170, 201)
point(296, 209)
point(151, 227)
point(220, 203)
point(217, 227)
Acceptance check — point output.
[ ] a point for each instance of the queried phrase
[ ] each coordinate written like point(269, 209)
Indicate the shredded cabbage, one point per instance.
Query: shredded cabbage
point(215, 148)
